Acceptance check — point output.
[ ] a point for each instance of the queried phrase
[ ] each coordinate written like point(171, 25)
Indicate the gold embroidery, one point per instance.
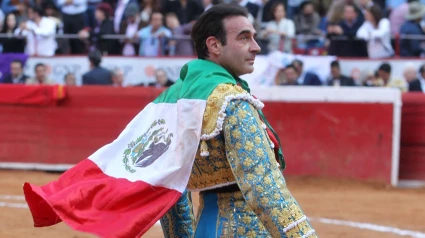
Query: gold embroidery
point(212, 170)
point(214, 103)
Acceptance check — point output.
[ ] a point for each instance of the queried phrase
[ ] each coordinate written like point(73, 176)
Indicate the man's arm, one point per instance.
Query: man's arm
point(179, 220)
point(253, 163)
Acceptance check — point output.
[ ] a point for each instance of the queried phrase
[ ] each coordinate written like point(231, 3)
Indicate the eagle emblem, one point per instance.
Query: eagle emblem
point(146, 149)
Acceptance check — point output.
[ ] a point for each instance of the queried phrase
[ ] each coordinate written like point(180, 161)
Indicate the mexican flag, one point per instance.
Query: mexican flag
point(126, 186)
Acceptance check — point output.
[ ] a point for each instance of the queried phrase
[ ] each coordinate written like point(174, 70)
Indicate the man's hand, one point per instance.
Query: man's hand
point(338, 30)
point(83, 34)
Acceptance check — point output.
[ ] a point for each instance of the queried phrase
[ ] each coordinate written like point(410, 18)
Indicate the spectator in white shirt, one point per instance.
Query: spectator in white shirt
point(376, 31)
point(40, 32)
point(73, 17)
point(280, 30)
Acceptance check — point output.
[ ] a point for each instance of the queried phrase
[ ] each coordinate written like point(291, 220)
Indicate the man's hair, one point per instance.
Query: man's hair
point(211, 24)
point(95, 57)
point(38, 65)
point(297, 62)
point(37, 10)
point(385, 67)
point(335, 64)
point(156, 12)
point(291, 66)
point(17, 61)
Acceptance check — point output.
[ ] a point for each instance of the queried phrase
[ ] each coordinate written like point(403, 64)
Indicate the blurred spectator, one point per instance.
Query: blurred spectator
point(412, 28)
point(162, 79)
point(397, 17)
point(15, 6)
point(117, 78)
point(305, 78)
point(118, 15)
point(104, 26)
point(280, 30)
point(40, 33)
point(40, 76)
point(336, 78)
point(129, 28)
point(70, 80)
point(2, 17)
point(11, 44)
point(384, 73)
point(342, 36)
point(91, 8)
point(153, 37)
point(148, 7)
point(409, 72)
point(307, 23)
point(252, 9)
point(207, 4)
point(73, 17)
point(336, 12)
point(180, 43)
point(50, 11)
point(16, 75)
point(294, 7)
point(291, 75)
point(267, 9)
point(376, 31)
point(186, 10)
point(364, 5)
point(97, 75)
point(383, 79)
point(418, 85)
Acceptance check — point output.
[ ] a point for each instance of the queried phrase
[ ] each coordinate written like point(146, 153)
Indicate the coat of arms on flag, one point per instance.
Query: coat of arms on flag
point(148, 147)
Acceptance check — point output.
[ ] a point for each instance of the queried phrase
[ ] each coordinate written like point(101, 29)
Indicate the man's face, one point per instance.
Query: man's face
point(40, 72)
point(161, 77)
point(349, 13)
point(31, 14)
point(171, 22)
point(118, 78)
point(409, 74)
point(308, 9)
point(291, 75)
point(238, 55)
point(15, 69)
point(156, 20)
point(70, 80)
point(384, 75)
point(335, 72)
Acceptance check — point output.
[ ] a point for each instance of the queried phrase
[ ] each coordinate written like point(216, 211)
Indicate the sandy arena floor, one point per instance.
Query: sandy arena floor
point(369, 207)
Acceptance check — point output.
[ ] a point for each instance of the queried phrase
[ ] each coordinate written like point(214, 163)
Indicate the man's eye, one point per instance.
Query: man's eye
point(244, 38)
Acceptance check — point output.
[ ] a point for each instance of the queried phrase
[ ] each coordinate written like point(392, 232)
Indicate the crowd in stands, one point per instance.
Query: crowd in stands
point(351, 28)
point(291, 75)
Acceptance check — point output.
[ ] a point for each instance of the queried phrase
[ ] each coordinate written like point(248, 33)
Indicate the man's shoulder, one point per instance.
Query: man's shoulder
point(217, 103)
point(414, 82)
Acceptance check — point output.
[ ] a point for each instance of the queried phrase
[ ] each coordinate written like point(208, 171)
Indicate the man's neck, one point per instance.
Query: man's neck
point(40, 80)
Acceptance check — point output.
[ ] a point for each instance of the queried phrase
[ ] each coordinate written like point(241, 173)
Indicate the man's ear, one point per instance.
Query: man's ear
point(213, 45)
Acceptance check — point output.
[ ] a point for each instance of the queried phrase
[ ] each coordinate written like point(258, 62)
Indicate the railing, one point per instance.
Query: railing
point(295, 40)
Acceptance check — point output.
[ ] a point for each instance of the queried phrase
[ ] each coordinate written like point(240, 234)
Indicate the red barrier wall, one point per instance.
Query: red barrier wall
point(412, 149)
point(333, 139)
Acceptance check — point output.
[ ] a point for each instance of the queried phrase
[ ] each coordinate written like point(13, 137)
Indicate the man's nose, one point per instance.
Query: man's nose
point(255, 48)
